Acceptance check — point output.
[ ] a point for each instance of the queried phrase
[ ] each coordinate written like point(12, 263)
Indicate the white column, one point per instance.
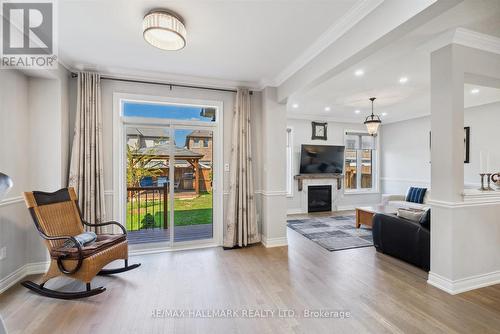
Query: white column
point(273, 169)
point(447, 124)
point(447, 171)
point(464, 239)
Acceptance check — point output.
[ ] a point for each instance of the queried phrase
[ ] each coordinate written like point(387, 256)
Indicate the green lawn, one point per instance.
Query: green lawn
point(187, 212)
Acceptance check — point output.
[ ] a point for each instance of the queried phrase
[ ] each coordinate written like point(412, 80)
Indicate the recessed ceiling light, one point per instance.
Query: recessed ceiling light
point(403, 80)
point(295, 106)
point(357, 111)
point(328, 108)
point(359, 73)
point(164, 29)
point(384, 114)
point(474, 91)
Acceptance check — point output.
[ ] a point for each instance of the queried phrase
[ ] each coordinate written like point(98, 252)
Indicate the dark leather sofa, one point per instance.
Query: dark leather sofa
point(403, 239)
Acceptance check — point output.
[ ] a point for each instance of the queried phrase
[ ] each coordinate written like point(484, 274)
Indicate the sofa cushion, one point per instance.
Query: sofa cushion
point(411, 214)
point(103, 241)
point(425, 220)
point(416, 195)
point(406, 205)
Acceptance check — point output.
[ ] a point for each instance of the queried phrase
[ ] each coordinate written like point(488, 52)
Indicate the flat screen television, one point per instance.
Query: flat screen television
point(317, 159)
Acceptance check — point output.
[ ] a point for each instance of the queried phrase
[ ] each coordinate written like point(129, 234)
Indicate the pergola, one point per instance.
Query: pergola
point(162, 152)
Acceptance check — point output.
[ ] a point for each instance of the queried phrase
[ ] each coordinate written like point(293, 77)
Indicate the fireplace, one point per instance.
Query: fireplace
point(319, 198)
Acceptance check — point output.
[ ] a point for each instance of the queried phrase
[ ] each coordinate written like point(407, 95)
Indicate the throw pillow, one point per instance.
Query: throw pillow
point(416, 195)
point(425, 220)
point(411, 214)
point(84, 239)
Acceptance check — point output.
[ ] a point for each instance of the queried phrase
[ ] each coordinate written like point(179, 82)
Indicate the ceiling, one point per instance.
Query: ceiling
point(340, 96)
point(242, 41)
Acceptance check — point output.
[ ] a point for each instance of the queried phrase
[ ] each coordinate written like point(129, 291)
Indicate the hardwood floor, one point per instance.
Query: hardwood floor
point(383, 295)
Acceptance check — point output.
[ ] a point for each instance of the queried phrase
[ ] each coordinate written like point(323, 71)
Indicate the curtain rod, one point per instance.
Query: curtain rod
point(74, 75)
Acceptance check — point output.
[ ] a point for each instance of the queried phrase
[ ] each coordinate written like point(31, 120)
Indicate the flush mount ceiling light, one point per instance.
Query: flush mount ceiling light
point(403, 80)
point(164, 30)
point(328, 108)
point(474, 91)
point(359, 73)
point(295, 105)
point(372, 122)
point(357, 111)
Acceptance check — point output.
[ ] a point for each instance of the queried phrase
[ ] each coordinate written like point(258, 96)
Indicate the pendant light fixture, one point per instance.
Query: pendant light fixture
point(372, 122)
point(164, 29)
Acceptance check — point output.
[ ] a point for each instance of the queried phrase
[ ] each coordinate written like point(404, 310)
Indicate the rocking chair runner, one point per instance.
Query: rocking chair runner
point(57, 218)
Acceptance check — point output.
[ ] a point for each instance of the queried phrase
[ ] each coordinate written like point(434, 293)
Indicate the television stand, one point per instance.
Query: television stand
point(300, 178)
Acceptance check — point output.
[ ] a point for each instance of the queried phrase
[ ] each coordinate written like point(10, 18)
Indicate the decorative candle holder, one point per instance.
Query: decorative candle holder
point(488, 177)
point(482, 182)
point(495, 178)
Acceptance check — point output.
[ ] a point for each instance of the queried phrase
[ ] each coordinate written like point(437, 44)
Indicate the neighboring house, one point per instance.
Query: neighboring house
point(201, 142)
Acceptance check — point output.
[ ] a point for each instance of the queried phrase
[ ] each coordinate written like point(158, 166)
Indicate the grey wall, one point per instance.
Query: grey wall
point(14, 143)
point(301, 134)
point(34, 151)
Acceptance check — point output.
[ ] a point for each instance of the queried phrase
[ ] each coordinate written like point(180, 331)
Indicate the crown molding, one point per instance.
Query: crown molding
point(122, 73)
point(345, 23)
point(320, 118)
point(464, 37)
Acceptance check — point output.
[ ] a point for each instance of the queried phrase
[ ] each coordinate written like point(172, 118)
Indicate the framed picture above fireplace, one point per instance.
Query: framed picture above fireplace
point(319, 130)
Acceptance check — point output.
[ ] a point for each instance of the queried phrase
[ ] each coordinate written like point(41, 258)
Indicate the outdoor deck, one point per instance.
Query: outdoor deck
point(182, 233)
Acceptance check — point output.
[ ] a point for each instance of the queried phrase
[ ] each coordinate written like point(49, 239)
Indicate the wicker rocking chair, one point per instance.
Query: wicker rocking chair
point(57, 218)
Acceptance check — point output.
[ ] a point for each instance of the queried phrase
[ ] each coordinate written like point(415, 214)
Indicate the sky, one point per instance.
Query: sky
point(135, 109)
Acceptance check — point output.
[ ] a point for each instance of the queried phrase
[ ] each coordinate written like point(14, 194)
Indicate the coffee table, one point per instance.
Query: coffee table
point(364, 214)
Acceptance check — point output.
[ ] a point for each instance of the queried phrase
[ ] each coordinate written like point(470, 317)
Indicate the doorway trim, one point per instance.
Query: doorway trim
point(119, 160)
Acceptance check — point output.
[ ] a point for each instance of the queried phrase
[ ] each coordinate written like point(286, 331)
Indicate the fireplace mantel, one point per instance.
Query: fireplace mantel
point(300, 178)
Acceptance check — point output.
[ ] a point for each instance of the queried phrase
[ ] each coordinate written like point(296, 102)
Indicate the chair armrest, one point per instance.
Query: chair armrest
point(60, 258)
point(386, 198)
point(106, 224)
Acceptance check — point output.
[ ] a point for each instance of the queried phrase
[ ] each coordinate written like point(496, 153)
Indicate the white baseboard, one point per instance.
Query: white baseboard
point(274, 242)
point(346, 207)
point(339, 208)
point(463, 284)
point(19, 274)
point(295, 211)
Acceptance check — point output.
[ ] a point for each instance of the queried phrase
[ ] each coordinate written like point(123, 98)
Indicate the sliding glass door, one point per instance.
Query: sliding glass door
point(170, 174)
point(193, 193)
point(148, 184)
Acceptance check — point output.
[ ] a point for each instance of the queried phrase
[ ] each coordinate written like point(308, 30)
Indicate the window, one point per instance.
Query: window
point(196, 143)
point(359, 161)
point(289, 163)
point(171, 111)
point(205, 142)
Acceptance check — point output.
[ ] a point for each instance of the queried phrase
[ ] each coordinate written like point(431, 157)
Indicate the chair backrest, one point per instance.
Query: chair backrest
point(55, 214)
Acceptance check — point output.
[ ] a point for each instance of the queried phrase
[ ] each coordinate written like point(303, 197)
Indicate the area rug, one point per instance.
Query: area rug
point(333, 233)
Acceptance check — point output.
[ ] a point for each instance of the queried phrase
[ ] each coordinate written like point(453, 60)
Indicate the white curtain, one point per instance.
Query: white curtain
point(241, 224)
point(86, 168)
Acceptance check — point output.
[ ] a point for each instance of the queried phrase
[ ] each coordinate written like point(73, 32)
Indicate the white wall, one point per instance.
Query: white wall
point(407, 162)
point(34, 152)
point(301, 134)
point(228, 98)
point(405, 155)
